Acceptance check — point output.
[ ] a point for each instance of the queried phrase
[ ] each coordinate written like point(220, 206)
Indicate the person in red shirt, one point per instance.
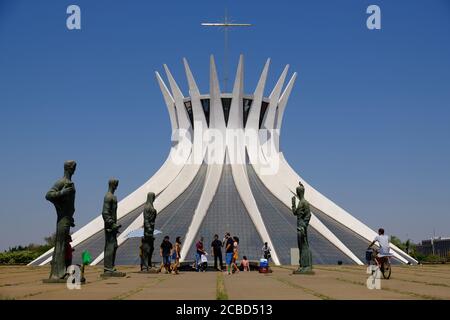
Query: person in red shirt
point(200, 251)
point(68, 251)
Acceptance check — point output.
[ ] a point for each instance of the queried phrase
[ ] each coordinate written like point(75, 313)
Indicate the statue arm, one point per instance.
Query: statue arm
point(305, 217)
point(294, 207)
point(146, 221)
point(55, 191)
point(307, 214)
point(149, 225)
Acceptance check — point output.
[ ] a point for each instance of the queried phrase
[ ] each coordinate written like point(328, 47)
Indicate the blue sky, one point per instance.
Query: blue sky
point(368, 122)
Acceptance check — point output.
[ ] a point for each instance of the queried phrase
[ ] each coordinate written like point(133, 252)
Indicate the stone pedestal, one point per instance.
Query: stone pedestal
point(152, 270)
point(110, 274)
point(306, 271)
point(82, 280)
point(54, 280)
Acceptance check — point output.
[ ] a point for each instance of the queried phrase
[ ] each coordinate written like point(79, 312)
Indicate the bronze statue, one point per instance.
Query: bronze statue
point(62, 195)
point(109, 214)
point(149, 228)
point(303, 213)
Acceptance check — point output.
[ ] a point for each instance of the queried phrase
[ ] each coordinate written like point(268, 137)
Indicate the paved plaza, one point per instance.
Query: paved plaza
point(329, 282)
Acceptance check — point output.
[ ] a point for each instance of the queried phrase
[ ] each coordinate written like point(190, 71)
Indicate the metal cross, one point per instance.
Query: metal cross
point(225, 24)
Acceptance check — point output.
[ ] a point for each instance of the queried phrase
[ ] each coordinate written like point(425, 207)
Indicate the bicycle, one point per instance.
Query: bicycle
point(383, 262)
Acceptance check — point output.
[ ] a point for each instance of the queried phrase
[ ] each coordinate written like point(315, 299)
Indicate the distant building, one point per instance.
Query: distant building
point(438, 246)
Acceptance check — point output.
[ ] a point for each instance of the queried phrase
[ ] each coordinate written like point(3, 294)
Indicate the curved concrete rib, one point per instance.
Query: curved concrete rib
point(280, 191)
point(236, 154)
point(194, 92)
point(170, 102)
point(264, 168)
point(269, 133)
point(187, 174)
point(236, 116)
point(183, 117)
point(157, 183)
point(255, 109)
point(216, 116)
point(291, 179)
point(253, 143)
point(235, 139)
point(174, 190)
point(280, 111)
point(243, 187)
point(269, 117)
point(200, 124)
point(212, 180)
point(215, 159)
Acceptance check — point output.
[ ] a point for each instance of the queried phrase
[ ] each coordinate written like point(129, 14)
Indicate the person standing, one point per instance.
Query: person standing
point(199, 252)
point(216, 250)
point(234, 267)
point(229, 246)
point(165, 251)
point(176, 256)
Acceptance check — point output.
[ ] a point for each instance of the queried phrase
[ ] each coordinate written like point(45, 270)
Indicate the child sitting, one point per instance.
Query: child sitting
point(203, 263)
point(245, 264)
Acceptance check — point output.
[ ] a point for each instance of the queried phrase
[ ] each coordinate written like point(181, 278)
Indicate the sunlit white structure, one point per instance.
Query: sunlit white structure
point(225, 172)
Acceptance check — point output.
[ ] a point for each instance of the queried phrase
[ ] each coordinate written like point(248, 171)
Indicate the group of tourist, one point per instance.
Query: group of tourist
point(231, 246)
point(169, 253)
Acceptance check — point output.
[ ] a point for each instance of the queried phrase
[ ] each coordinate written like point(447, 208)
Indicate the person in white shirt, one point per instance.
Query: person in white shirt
point(383, 242)
point(266, 251)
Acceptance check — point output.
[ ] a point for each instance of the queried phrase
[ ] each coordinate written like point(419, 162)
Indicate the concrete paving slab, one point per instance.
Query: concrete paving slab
point(329, 282)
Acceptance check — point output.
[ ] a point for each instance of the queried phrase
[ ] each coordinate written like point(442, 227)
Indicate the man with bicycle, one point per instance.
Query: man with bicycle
point(383, 241)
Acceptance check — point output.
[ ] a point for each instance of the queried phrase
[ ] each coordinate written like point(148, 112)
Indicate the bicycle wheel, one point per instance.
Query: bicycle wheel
point(386, 269)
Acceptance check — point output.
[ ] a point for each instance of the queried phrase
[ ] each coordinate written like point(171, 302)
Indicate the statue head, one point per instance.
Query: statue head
point(151, 197)
point(113, 184)
point(300, 190)
point(70, 167)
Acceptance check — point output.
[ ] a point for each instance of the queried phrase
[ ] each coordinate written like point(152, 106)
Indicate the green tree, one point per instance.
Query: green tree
point(25, 254)
point(50, 240)
point(396, 241)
